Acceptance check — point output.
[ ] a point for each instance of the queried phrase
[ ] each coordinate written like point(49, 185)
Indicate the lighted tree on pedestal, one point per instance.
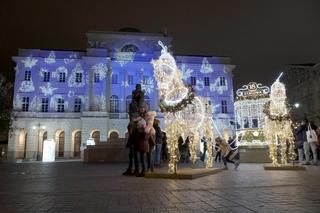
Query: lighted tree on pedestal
point(278, 126)
point(185, 114)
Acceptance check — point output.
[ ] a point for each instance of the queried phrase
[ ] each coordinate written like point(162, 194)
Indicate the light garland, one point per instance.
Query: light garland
point(184, 113)
point(278, 124)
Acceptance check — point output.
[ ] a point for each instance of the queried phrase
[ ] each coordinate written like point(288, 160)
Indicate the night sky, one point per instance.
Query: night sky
point(260, 37)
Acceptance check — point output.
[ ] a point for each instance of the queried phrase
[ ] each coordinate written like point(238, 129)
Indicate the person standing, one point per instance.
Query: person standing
point(164, 151)
point(158, 148)
point(299, 140)
point(308, 126)
point(218, 153)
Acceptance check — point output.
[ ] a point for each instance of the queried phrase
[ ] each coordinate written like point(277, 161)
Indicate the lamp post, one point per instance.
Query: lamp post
point(38, 127)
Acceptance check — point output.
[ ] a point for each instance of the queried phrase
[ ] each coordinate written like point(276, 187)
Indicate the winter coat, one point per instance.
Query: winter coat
point(299, 137)
point(224, 148)
point(146, 141)
point(159, 134)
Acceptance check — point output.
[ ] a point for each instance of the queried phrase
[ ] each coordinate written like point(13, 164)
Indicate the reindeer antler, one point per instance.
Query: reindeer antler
point(164, 48)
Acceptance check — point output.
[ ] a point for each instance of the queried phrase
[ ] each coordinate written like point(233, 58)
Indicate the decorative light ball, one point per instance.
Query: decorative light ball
point(255, 133)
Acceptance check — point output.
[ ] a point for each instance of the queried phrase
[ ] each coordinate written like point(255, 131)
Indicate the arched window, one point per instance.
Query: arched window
point(114, 104)
point(114, 135)
point(147, 100)
point(128, 101)
point(61, 144)
point(129, 48)
point(96, 136)
point(77, 144)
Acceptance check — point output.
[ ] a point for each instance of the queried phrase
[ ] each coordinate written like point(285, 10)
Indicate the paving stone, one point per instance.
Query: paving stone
point(78, 187)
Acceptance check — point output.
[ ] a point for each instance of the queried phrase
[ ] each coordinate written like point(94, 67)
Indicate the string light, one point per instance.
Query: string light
point(184, 113)
point(278, 124)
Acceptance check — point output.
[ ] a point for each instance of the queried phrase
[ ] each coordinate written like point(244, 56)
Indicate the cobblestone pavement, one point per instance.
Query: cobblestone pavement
point(78, 187)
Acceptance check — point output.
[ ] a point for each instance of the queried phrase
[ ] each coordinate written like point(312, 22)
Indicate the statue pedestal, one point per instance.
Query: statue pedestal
point(254, 154)
point(284, 167)
point(183, 173)
point(103, 152)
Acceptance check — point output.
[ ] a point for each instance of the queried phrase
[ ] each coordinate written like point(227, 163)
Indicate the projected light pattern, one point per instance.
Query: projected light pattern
point(65, 76)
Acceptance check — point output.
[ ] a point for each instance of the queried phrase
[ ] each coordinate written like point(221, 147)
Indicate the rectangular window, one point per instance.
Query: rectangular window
point(77, 104)
point(60, 105)
point(224, 107)
point(46, 76)
point(62, 77)
point(222, 81)
point(255, 123)
point(96, 77)
point(27, 75)
point(145, 79)
point(44, 104)
point(114, 79)
point(206, 81)
point(193, 80)
point(78, 77)
point(25, 104)
point(130, 79)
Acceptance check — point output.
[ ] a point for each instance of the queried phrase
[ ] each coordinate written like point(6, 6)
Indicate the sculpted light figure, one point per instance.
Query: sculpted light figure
point(185, 114)
point(277, 128)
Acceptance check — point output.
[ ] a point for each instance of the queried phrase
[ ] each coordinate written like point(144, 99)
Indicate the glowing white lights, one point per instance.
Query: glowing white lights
point(148, 87)
point(192, 120)
point(277, 128)
point(256, 133)
point(296, 105)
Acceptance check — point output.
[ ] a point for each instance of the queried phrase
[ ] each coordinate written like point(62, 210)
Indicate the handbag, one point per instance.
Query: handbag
point(311, 135)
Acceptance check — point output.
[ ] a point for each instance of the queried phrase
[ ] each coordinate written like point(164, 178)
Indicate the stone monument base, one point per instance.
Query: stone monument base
point(107, 152)
point(284, 167)
point(183, 173)
point(254, 154)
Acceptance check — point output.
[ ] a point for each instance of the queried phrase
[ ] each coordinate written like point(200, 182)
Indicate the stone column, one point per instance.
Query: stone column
point(32, 142)
point(108, 76)
point(90, 89)
point(68, 149)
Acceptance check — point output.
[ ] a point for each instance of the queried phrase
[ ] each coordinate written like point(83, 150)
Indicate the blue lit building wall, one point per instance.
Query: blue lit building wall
point(130, 63)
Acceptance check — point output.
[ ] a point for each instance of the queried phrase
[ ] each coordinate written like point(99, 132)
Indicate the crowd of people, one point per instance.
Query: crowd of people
point(307, 149)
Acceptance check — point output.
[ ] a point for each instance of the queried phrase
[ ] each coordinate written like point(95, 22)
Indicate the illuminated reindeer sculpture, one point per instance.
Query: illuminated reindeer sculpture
point(185, 114)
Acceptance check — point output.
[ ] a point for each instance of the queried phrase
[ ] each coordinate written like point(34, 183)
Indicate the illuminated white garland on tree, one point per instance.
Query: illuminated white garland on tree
point(278, 124)
point(185, 115)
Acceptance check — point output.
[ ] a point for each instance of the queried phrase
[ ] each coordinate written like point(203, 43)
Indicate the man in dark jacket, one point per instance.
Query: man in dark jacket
point(299, 140)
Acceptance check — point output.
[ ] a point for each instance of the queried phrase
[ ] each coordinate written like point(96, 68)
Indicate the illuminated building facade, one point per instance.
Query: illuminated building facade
point(249, 116)
point(70, 96)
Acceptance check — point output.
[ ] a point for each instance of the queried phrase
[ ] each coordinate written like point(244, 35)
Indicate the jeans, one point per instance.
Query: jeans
point(218, 156)
point(142, 161)
point(306, 147)
point(300, 155)
point(226, 159)
point(133, 158)
point(157, 155)
point(150, 160)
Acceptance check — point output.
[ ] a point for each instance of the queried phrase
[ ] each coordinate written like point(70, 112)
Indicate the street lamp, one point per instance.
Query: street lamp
point(296, 105)
point(39, 127)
